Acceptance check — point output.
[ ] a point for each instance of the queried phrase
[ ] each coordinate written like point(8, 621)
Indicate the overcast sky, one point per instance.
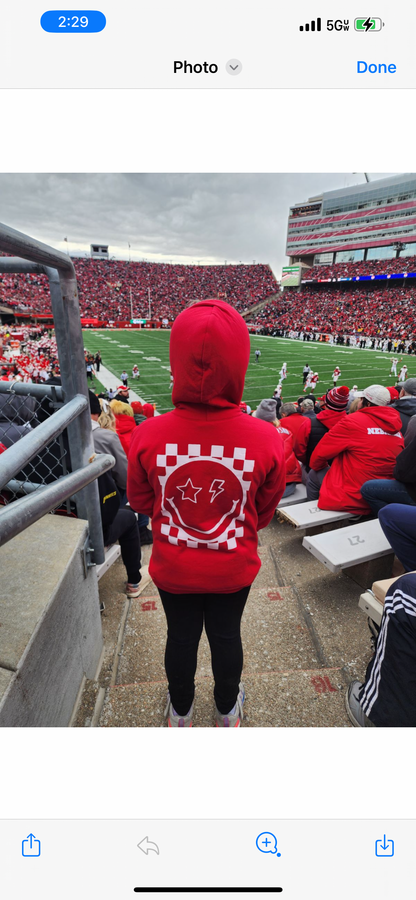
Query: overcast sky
point(178, 218)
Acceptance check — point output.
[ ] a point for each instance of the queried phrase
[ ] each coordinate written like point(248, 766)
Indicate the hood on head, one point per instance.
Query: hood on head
point(385, 417)
point(209, 355)
point(331, 417)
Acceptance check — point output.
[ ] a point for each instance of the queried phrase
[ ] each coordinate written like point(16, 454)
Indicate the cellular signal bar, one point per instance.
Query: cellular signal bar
point(313, 26)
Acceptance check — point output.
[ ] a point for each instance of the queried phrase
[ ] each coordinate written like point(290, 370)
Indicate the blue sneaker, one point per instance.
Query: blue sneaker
point(233, 718)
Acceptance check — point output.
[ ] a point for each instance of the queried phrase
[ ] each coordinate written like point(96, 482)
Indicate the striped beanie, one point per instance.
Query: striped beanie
point(337, 399)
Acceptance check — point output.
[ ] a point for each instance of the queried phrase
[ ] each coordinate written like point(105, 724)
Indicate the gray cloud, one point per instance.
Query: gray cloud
point(183, 218)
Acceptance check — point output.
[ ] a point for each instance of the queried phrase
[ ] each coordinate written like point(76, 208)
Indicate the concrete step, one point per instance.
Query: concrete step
point(313, 698)
point(304, 638)
point(273, 632)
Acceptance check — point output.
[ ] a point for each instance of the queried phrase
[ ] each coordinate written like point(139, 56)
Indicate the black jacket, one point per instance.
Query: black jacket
point(406, 407)
point(405, 468)
point(318, 429)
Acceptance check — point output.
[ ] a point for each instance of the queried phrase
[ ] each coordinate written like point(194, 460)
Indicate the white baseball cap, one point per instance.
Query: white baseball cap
point(376, 394)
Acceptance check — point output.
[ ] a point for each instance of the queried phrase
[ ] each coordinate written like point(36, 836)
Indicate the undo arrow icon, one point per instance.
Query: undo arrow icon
point(145, 845)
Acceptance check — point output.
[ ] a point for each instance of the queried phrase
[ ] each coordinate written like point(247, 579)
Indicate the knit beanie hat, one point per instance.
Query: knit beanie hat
point(394, 394)
point(337, 398)
point(136, 407)
point(148, 410)
point(95, 407)
point(266, 410)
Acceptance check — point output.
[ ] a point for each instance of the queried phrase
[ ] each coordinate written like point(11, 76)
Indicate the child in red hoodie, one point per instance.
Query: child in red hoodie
point(125, 422)
point(210, 477)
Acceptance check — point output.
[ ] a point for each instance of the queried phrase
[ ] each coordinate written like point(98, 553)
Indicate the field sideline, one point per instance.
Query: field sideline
point(121, 348)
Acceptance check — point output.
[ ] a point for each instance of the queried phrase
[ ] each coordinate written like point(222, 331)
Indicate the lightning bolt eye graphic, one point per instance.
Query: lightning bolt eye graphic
point(368, 24)
point(216, 488)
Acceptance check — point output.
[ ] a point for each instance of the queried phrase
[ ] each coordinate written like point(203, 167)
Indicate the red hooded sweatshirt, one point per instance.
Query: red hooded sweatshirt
point(125, 422)
point(293, 469)
point(209, 475)
point(363, 446)
point(294, 423)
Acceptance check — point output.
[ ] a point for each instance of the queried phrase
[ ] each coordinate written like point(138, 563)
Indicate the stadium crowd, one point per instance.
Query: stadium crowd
point(28, 354)
point(385, 312)
point(363, 267)
point(111, 289)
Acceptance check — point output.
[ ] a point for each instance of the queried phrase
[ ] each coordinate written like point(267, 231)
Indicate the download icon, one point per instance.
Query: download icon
point(384, 848)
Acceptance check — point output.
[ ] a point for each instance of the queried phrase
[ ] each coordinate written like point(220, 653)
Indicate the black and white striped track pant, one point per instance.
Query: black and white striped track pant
point(388, 696)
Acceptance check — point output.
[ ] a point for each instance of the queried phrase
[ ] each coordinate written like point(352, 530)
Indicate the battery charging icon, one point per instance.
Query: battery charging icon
point(368, 24)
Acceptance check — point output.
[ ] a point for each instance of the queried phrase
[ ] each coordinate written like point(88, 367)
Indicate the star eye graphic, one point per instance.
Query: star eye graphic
point(189, 491)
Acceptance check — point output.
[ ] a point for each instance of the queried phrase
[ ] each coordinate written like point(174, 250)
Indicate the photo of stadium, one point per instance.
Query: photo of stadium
point(207, 463)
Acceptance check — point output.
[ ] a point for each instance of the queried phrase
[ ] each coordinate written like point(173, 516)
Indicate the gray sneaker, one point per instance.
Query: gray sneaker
point(233, 718)
point(355, 712)
point(176, 721)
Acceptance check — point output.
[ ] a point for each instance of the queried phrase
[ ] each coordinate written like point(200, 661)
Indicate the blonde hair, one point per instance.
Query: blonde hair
point(355, 405)
point(107, 419)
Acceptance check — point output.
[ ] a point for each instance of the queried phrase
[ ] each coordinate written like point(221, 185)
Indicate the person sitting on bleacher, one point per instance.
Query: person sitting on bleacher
point(387, 698)
point(406, 404)
point(118, 524)
point(362, 446)
point(308, 410)
point(333, 411)
point(401, 488)
point(294, 421)
point(266, 410)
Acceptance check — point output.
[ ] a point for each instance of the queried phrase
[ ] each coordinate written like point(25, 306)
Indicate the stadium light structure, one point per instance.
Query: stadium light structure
point(399, 246)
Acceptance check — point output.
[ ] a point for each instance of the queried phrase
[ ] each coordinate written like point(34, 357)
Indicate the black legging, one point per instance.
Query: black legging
point(186, 615)
point(125, 530)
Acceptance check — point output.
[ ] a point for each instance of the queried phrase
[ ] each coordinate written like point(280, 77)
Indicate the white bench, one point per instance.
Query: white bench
point(372, 601)
point(371, 606)
point(349, 546)
point(111, 554)
point(308, 515)
point(298, 496)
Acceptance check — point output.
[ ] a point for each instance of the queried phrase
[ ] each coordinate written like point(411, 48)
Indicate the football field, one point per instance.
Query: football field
point(150, 350)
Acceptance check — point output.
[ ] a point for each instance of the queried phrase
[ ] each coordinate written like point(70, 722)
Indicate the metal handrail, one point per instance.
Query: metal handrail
point(29, 248)
point(22, 513)
point(23, 389)
point(36, 257)
point(18, 455)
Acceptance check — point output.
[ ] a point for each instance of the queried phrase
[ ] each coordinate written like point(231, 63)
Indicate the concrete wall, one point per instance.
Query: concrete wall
point(50, 624)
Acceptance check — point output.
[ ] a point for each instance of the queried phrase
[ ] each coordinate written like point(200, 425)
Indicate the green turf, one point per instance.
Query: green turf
point(150, 349)
point(96, 385)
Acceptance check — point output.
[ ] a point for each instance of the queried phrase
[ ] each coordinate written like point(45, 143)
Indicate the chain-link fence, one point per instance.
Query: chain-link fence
point(19, 415)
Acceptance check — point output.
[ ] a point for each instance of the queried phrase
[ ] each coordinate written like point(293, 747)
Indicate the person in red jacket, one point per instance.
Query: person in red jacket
point(210, 477)
point(362, 446)
point(294, 421)
point(125, 422)
point(266, 411)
